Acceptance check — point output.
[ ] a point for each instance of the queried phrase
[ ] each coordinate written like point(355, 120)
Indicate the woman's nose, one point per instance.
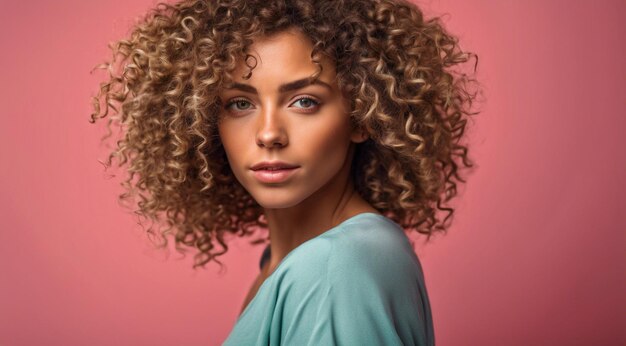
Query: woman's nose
point(271, 130)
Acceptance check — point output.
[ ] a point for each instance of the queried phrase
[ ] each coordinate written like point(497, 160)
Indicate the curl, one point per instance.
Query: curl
point(400, 72)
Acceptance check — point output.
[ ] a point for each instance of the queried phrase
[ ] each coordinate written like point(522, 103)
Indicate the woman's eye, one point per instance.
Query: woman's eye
point(240, 104)
point(307, 102)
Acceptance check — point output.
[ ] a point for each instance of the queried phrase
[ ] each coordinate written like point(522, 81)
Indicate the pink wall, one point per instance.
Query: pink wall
point(536, 255)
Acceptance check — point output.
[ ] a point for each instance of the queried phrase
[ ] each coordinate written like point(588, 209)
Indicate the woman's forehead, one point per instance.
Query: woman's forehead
point(285, 53)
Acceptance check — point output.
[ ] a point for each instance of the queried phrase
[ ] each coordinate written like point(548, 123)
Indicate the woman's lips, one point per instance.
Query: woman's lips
point(274, 176)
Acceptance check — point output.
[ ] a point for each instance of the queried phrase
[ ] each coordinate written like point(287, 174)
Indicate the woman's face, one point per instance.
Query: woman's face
point(271, 117)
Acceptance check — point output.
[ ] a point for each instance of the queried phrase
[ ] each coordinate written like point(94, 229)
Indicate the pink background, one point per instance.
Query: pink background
point(536, 255)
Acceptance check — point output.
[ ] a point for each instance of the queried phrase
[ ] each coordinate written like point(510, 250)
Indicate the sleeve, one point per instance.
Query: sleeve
point(373, 299)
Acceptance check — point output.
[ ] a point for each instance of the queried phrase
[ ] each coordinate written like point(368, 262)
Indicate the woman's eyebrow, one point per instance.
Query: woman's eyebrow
point(295, 85)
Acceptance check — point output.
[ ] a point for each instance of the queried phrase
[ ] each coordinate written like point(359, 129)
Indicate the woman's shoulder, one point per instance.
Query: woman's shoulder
point(355, 284)
point(370, 232)
point(368, 247)
point(374, 248)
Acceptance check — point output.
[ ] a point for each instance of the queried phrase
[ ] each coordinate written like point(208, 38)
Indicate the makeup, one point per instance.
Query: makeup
point(274, 175)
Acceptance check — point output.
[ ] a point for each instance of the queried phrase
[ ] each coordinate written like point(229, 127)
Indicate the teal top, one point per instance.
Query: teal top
point(358, 283)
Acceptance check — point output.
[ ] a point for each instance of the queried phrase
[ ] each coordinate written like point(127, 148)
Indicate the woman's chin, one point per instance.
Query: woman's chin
point(274, 200)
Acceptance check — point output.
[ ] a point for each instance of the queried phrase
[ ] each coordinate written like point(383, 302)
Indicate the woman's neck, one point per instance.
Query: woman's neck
point(327, 208)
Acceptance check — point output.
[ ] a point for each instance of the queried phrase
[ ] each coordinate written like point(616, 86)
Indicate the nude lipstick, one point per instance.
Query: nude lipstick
point(273, 172)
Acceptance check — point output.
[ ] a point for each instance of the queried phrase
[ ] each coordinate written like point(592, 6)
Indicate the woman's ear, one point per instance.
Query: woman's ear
point(359, 135)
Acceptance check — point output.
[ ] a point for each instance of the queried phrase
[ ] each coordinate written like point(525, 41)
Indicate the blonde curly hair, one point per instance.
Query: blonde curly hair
point(398, 69)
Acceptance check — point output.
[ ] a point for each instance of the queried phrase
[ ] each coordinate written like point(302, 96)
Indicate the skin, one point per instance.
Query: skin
point(314, 133)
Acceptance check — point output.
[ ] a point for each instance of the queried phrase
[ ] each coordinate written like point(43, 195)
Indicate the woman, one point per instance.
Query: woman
point(333, 124)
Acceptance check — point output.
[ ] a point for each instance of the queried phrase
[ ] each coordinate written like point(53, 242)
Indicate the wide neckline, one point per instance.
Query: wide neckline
point(325, 233)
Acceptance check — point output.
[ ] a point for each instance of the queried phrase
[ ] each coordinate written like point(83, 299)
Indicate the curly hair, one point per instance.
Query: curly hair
point(399, 70)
